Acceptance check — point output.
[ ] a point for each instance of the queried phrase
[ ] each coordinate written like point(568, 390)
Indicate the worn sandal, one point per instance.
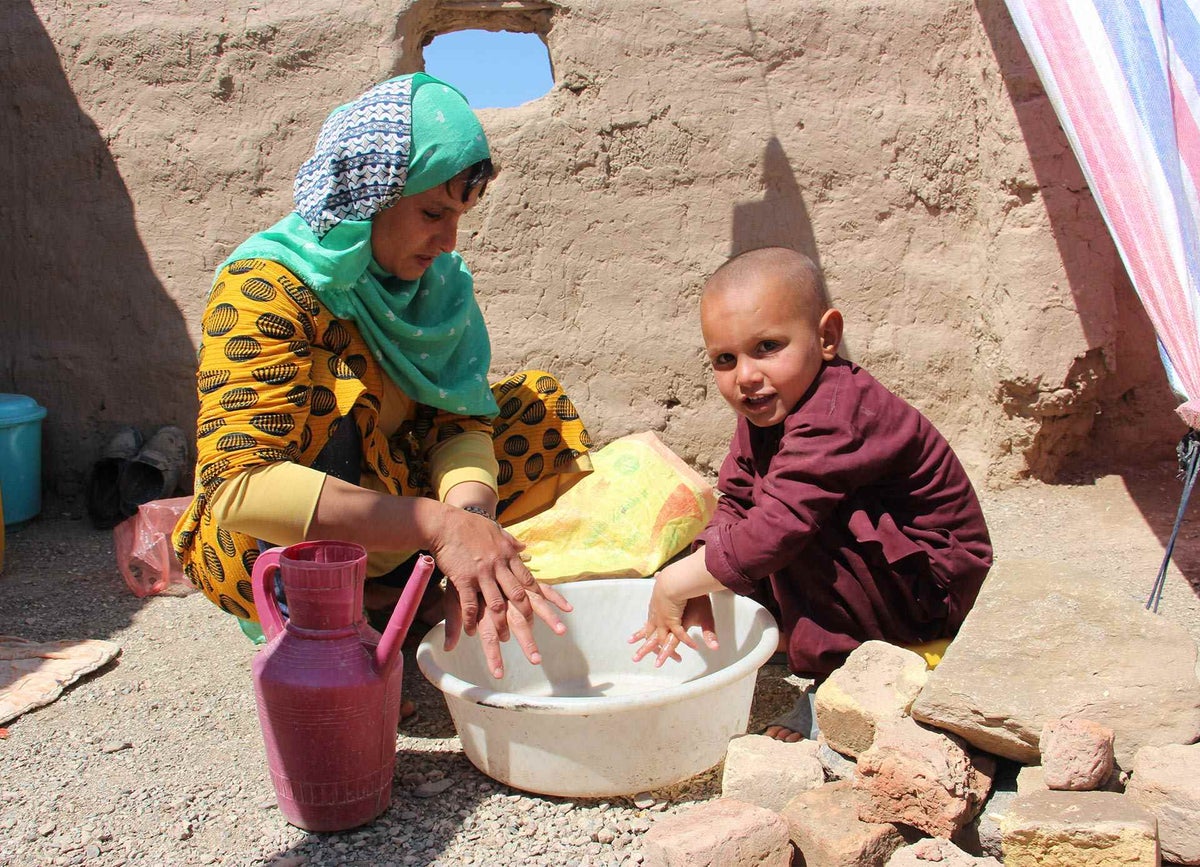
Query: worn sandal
point(102, 494)
point(156, 471)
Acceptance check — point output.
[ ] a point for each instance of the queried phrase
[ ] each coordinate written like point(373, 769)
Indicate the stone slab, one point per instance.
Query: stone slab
point(1047, 640)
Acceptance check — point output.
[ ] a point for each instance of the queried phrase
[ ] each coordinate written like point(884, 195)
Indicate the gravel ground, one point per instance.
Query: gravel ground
point(157, 757)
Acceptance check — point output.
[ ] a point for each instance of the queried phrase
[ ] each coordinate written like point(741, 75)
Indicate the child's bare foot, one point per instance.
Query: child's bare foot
point(782, 733)
point(798, 723)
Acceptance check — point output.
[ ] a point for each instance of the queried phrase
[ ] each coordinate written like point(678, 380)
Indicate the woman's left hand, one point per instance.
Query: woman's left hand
point(494, 628)
point(488, 579)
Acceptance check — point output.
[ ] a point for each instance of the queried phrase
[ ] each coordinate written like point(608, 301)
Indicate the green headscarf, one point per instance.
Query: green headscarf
point(400, 138)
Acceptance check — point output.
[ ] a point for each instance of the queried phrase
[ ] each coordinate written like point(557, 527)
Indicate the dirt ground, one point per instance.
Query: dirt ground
point(157, 758)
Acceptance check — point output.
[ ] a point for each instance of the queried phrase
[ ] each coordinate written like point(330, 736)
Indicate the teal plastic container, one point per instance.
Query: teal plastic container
point(20, 457)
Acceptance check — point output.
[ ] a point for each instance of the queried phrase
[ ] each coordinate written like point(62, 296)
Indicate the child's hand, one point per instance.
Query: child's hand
point(667, 624)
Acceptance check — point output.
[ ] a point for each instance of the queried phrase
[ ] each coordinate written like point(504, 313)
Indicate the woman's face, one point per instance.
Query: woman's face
point(408, 236)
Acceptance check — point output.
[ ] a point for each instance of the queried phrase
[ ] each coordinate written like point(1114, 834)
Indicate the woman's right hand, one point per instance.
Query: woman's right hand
point(491, 590)
point(490, 585)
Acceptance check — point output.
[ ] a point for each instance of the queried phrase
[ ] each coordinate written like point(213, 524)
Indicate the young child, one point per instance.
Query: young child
point(837, 495)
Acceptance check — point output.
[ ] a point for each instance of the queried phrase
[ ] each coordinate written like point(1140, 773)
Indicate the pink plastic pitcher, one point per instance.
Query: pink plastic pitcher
point(328, 698)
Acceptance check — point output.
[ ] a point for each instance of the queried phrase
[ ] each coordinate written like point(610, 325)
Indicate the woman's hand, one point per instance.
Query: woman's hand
point(486, 575)
point(491, 590)
point(494, 628)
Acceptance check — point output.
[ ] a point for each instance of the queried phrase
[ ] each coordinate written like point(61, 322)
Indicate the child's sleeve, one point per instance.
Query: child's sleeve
point(736, 487)
point(761, 530)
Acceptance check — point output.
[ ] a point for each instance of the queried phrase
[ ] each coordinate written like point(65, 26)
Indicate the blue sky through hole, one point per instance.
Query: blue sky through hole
point(493, 70)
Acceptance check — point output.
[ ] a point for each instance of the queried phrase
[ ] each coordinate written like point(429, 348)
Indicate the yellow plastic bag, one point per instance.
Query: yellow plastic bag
point(639, 507)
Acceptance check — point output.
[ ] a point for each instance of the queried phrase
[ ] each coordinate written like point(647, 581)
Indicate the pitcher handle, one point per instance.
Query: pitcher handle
point(263, 583)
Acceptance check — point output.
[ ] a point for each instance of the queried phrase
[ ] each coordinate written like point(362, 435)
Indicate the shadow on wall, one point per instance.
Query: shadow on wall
point(1136, 421)
point(780, 218)
point(1130, 389)
point(87, 328)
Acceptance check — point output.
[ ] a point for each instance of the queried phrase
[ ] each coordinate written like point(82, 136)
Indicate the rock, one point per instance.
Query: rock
point(836, 766)
point(985, 836)
point(1077, 754)
point(1166, 782)
point(935, 851)
point(768, 773)
point(922, 778)
point(1047, 640)
point(877, 684)
point(824, 825)
point(433, 787)
point(1032, 778)
point(982, 835)
point(1078, 829)
point(723, 832)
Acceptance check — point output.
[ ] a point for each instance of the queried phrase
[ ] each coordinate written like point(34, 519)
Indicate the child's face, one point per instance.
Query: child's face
point(765, 347)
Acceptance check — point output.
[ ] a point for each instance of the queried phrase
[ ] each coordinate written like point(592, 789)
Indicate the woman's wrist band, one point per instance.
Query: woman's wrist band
point(480, 510)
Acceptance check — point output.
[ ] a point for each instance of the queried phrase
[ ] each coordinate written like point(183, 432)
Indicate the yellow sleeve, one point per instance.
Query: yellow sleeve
point(275, 502)
point(467, 457)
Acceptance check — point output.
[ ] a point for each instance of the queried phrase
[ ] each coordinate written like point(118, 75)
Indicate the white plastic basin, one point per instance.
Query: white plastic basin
point(590, 722)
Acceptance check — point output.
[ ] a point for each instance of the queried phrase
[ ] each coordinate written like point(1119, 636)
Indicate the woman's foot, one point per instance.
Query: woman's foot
point(407, 709)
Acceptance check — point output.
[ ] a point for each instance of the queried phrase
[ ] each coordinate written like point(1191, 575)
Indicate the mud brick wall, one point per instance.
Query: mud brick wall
point(908, 147)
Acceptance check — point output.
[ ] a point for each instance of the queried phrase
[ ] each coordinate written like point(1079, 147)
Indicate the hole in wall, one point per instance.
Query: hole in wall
point(492, 69)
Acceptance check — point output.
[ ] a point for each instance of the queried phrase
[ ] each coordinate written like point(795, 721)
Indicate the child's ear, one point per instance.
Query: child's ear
point(830, 332)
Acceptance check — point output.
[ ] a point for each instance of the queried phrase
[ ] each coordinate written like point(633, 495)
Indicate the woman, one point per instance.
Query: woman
point(343, 381)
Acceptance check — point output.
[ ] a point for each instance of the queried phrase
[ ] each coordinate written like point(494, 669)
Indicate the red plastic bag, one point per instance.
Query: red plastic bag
point(144, 554)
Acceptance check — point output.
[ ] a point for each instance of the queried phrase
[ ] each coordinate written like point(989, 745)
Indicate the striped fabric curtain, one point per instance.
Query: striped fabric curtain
point(1124, 78)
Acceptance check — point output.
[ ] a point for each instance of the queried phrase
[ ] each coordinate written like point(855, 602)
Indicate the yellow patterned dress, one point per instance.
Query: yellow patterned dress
point(278, 374)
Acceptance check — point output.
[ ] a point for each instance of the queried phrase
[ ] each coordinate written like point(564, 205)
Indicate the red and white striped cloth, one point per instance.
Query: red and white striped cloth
point(1124, 79)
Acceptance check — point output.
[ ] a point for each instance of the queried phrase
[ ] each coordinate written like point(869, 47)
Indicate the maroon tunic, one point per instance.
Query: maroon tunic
point(860, 516)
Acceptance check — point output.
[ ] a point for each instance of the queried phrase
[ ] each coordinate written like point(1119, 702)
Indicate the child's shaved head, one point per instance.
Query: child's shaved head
point(779, 267)
point(768, 330)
